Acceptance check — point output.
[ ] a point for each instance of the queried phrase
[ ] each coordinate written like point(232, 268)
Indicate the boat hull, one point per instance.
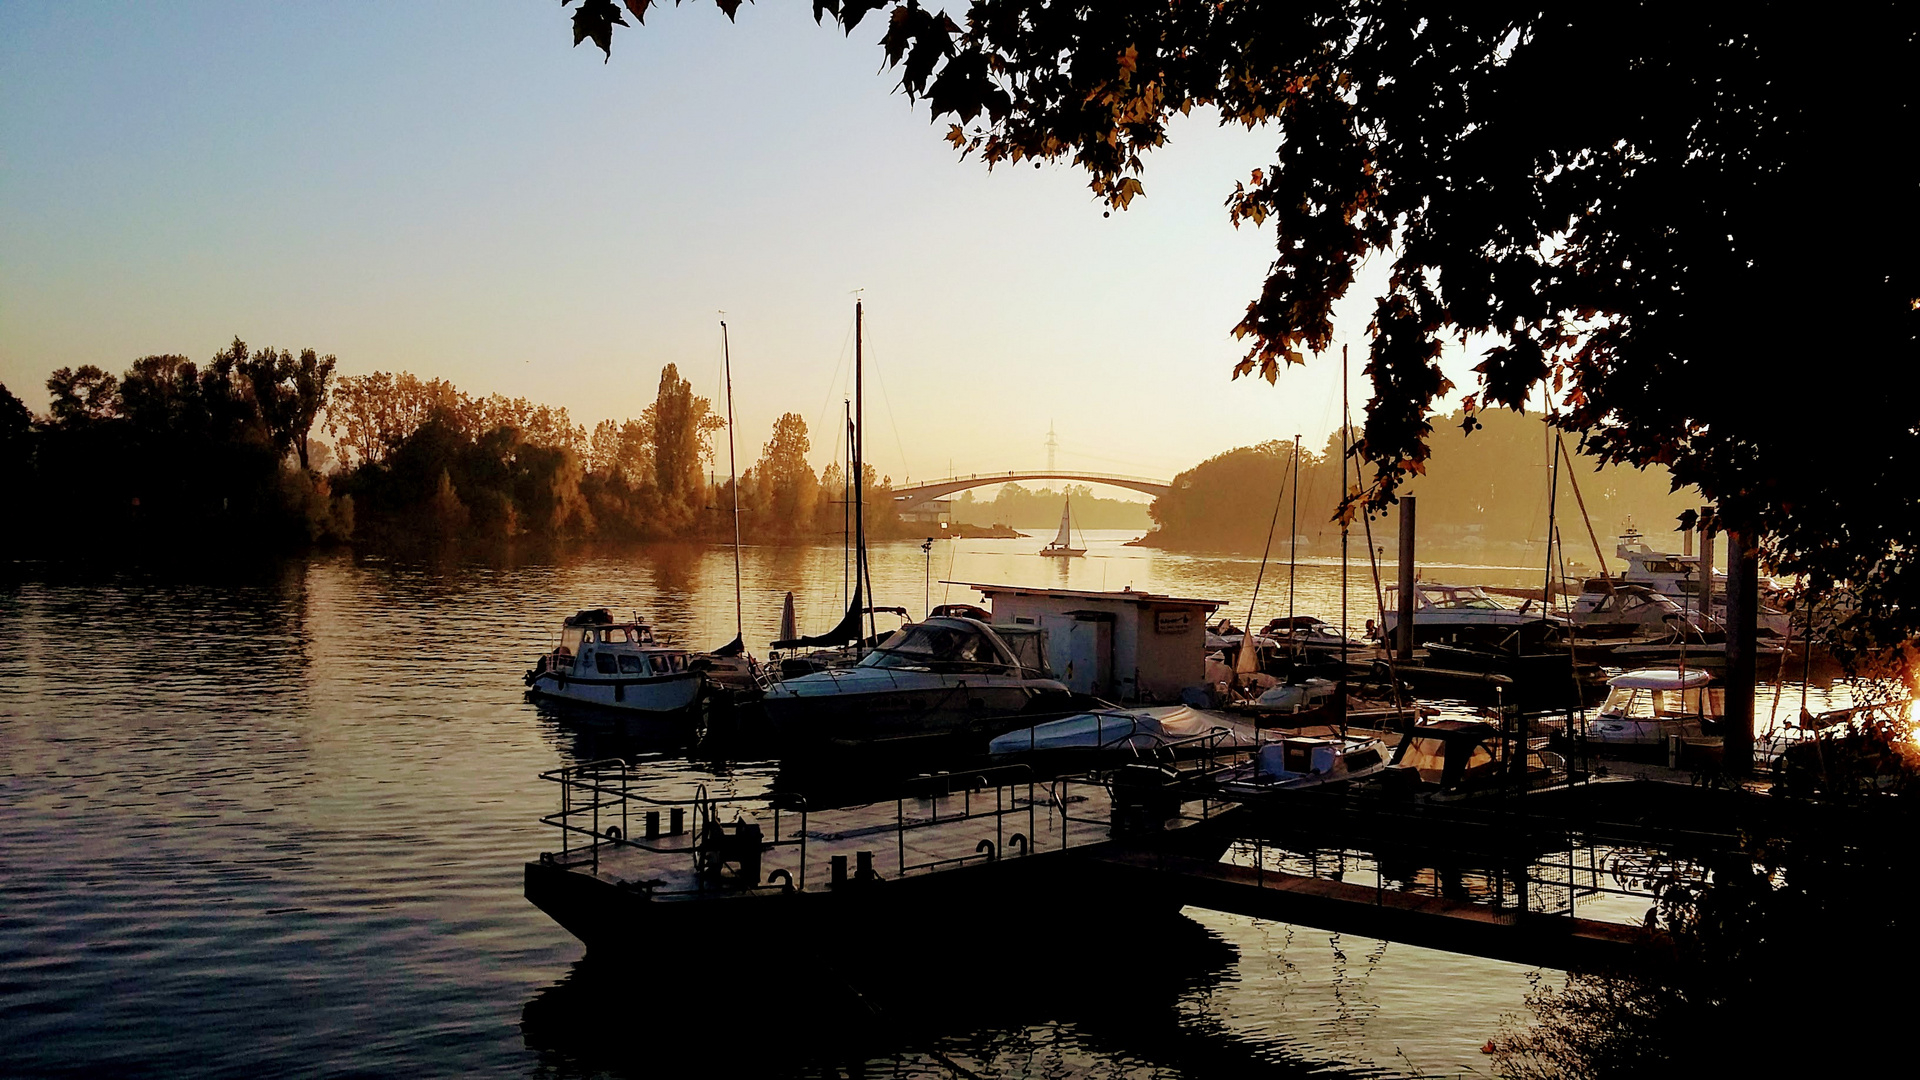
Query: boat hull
point(896, 715)
point(661, 695)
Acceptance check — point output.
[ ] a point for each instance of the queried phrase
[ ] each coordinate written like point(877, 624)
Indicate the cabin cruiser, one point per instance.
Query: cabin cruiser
point(1676, 577)
point(1449, 760)
point(1614, 609)
point(1645, 707)
point(1311, 637)
point(942, 677)
point(1454, 612)
point(1305, 761)
point(615, 665)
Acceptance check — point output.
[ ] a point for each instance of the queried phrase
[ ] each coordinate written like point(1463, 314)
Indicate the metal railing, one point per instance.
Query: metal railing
point(593, 794)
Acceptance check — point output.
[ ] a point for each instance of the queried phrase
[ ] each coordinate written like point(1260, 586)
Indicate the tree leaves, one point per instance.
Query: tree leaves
point(595, 19)
point(1624, 205)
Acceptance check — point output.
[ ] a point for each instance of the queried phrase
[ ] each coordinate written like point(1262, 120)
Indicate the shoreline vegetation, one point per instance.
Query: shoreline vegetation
point(173, 454)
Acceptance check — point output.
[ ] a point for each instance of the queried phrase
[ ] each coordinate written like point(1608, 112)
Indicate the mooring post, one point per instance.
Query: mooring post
point(1705, 589)
point(1743, 596)
point(1403, 625)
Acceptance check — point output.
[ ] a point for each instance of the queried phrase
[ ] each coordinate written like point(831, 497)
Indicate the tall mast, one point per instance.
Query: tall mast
point(862, 580)
point(733, 479)
point(1293, 543)
point(1346, 445)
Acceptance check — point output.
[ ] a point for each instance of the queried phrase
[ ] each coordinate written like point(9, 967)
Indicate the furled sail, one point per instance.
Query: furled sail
point(789, 627)
point(848, 630)
point(1246, 660)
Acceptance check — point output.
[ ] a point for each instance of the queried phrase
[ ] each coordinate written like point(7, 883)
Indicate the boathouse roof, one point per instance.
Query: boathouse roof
point(1124, 596)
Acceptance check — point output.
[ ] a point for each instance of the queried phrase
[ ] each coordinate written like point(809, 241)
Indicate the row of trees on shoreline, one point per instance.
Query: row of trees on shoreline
point(173, 453)
point(1484, 490)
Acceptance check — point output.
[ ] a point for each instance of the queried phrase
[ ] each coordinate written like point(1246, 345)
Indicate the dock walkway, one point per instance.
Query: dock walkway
point(1546, 940)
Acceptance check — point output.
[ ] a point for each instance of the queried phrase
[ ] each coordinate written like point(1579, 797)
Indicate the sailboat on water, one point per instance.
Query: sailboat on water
point(1062, 544)
point(942, 678)
point(730, 669)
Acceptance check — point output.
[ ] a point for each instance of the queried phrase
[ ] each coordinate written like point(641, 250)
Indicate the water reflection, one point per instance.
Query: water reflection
point(1041, 1002)
point(270, 817)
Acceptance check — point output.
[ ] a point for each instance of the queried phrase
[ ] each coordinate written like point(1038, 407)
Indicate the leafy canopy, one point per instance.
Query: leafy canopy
point(1679, 220)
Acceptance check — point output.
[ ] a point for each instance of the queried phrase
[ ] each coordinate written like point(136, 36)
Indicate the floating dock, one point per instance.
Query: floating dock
point(1517, 936)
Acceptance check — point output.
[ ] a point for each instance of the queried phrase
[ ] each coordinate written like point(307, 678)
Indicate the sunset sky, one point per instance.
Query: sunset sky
point(451, 189)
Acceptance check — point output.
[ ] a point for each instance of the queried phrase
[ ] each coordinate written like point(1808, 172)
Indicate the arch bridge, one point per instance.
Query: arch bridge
point(907, 498)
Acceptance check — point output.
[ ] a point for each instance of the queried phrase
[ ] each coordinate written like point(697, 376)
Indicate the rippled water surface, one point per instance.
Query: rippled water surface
point(272, 822)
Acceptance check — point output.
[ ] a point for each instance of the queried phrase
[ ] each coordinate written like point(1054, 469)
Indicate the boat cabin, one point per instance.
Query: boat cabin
point(1662, 695)
point(1295, 758)
point(591, 644)
point(946, 645)
point(1432, 597)
point(1606, 603)
point(1452, 753)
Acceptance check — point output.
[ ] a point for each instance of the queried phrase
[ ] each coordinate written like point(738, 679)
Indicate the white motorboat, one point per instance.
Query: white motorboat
point(1677, 577)
point(941, 677)
point(1301, 761)
point(1451, 612)
point(1307, 635)
point(1609, 609)
point(615, 665)
point(1645, 707)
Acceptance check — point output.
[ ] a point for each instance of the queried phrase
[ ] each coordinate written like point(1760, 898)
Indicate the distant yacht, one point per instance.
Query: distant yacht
point(1062, 544)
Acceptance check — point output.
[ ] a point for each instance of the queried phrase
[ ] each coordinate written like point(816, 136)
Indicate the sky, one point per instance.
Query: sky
point(452, 189)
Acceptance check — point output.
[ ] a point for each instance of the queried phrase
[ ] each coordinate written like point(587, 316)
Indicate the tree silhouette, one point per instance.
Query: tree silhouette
point(1658, 213)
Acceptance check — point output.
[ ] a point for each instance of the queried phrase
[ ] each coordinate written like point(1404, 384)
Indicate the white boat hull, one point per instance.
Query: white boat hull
point(878, 705)
point(659, 694)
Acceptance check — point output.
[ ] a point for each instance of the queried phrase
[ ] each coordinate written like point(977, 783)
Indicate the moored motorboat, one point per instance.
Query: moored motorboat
point(1651, 705)
point(615, 665)
point(942, 677)
point(1296, 762)
point(1459, 612)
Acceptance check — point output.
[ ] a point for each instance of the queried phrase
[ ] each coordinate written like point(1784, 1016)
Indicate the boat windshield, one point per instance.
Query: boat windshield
point(1642, 703)
point(938, 648)
point(1461, 598)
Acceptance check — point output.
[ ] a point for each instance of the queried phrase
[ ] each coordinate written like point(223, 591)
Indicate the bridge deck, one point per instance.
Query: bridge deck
point(915, 494)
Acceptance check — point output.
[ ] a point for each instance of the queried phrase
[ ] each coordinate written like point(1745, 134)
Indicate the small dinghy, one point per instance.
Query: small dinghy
point(615, 665)
point(1299, 761)
point(1645, 707)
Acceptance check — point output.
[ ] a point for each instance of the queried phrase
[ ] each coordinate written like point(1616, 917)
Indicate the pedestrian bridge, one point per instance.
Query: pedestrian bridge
point(906, 498)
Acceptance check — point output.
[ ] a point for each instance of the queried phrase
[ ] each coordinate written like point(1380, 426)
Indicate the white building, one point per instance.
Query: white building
point(1124, 646)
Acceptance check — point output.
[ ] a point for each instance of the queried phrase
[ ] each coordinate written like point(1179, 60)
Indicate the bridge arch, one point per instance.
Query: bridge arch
point(906, 498)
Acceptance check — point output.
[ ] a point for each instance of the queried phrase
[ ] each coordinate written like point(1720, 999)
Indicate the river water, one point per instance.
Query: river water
point(270, 821)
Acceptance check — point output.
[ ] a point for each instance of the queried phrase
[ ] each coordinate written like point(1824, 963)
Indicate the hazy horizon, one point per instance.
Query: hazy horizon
point(452, 190)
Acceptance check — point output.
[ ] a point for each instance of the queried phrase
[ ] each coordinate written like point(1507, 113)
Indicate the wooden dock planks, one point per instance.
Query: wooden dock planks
point(1556, 941)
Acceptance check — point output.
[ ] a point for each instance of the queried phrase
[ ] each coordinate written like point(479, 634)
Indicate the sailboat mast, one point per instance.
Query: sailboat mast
point(862, 582)
point(1293, 542)
point(733, 478)
point(1346, 525)
point(1346, 528)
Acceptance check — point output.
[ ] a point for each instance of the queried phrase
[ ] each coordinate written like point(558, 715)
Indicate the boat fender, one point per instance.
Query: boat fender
point(782, 877)
point(1018, 839)
point(613, 833)
point(986, 847)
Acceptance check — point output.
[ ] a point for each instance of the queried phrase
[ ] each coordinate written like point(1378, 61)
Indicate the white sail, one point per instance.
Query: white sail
point(1064, 539)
